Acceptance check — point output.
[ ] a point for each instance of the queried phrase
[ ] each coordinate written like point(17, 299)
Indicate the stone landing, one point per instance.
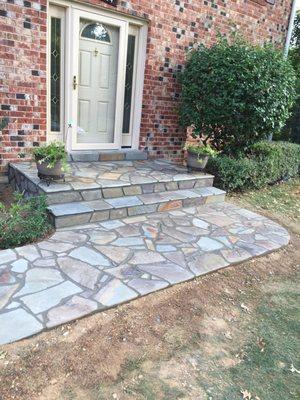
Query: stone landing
point(99, 191)
point(93, 267)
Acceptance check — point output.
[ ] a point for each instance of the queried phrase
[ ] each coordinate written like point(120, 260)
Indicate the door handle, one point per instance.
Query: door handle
point(74, 82)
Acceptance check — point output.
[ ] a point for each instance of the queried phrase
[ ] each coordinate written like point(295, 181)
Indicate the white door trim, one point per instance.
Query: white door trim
point(115, 18)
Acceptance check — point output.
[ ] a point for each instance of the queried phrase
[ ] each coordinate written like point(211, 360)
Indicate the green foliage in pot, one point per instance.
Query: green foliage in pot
point(235, 93)
point(51, 154)
point(201, 151)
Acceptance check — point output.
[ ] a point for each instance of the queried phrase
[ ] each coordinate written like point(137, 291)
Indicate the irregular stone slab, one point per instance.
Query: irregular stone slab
point(125, 271)
point(182, 237)
point(16, 325)
point(146, 257)
point(207, 262)
point(145, 286)
point(218, 219)
point(48, 298)
point(252, 248)
point(128, 230)
point(103, 237)
point(79, 272)
point(72, 237)
point(12, 305)
point(7, 256)
point(74, 308)
point(20, 265)
point(41, 262)
point(6, 293)
point(134, 220)
point(116, 254)
point(47, 253)
point(130, 241)
point(170, 272)
point(193, 230)
point(150, 232)
point(6, 276)
point(126, 201)
point(208, 244)
point(111, 224)
point(235, 255)
point(115, 292)
point(60, 210)
point(56, 247)
point(98, 205)
point(99, 216)
point(268, 245)
point(38, 279)
point(200, 224)
point(165, 248)
point(225, 240)
point(29, 252)
point(170, 205)
point(176, 257)
point(89, 256)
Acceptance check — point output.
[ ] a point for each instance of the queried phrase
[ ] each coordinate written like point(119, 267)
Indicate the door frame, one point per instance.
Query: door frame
point(73, 12)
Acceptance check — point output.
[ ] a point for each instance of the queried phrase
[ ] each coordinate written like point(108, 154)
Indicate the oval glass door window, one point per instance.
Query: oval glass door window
point(95, 31)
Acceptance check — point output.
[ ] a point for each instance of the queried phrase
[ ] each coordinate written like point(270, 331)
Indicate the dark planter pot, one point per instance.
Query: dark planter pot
point(46, 173)
point(196, 162)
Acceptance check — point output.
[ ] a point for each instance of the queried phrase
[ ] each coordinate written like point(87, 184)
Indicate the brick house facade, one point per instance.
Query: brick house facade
point(172, 27)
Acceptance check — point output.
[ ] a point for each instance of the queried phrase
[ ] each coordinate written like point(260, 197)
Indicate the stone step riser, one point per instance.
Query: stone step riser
point(117, 213)
point(121, 191)
point(23, 184)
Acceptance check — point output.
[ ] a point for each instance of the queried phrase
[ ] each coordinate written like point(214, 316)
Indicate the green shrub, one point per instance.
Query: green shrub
point(291, 131)
point(267, 163)
point(23, 222)
point(235, 94)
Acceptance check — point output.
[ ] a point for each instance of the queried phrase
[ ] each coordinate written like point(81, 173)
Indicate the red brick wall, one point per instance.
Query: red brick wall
point(174, 26)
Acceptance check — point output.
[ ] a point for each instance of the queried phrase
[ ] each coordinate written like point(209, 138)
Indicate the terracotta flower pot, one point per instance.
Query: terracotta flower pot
point(54, 173)
point(195, 161)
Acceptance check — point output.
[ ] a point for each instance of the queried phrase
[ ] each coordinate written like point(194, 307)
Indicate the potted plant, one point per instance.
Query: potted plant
point(197, 156)
point(51, 161)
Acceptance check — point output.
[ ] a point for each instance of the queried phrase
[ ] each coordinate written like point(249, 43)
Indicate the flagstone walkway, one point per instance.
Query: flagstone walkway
point(83, 269)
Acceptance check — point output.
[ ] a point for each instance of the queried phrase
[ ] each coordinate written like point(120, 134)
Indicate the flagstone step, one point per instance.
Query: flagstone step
point(96, 180)
point(76, 213)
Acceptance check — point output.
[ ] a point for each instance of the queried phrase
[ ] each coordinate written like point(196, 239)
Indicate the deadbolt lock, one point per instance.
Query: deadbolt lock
point(74, 82)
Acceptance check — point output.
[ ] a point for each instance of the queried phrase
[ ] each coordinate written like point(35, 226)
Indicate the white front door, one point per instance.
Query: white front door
point(98, 82)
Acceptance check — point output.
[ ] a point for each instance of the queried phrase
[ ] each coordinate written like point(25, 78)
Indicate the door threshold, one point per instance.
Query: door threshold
point(107, 155)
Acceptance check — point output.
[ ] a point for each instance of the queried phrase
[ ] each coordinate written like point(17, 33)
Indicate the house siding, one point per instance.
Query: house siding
point(174, 26)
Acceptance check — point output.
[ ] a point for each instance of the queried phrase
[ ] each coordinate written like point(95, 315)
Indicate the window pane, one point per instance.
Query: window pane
point(128, 83)
point(55, 73)
point(96, 32)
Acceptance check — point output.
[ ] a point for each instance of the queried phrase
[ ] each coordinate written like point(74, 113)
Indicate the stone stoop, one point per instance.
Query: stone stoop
point(98, 191)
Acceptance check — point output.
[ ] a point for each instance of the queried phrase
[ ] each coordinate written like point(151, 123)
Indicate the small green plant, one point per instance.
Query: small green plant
point(24, 221)
point(51, 154)
point(206, 150)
